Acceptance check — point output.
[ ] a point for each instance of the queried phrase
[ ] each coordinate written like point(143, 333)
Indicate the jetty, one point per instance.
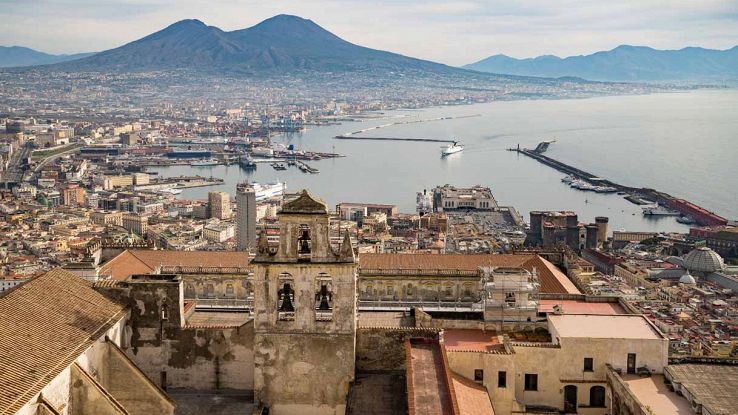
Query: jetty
point(636, 195)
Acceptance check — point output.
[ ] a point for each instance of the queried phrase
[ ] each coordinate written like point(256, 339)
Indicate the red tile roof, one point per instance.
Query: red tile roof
point(46, 324)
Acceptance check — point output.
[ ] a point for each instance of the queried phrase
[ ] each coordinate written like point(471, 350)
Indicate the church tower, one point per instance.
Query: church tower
point(304, 314)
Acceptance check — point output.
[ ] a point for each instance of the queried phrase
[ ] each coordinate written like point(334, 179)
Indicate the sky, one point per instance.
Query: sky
point(454, 32)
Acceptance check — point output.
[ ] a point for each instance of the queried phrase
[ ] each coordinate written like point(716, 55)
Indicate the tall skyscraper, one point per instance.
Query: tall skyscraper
point(245, 216)
point(220, 205)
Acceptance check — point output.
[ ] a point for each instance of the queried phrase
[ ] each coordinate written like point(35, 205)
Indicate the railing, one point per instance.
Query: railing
point(203, 270)
point(429, 272)
point(323, 315)
point(228, 303)
point(286, 316)
point(427, 305)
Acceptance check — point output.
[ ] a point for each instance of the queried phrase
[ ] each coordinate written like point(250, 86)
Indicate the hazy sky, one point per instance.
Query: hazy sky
point(451, 31)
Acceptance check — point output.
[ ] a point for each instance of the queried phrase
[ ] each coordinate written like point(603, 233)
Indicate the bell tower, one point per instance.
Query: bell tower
point(304, 314)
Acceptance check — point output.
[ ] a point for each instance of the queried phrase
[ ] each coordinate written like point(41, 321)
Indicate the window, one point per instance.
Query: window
point(304, 243)
point(229, 289)
point(588, 364)
point(597, 396)
point(478, 375)
point(501, 379)
point(510, 298)
point(323, 298)
point(531, 382)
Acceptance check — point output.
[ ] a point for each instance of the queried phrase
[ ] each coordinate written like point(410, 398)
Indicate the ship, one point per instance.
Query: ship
point(456, 147)
point(190, 153)
point(205, 162)
point(657, 210)
point(268, 190)
point(171, 191)
point(686, 220)
point(246, 163)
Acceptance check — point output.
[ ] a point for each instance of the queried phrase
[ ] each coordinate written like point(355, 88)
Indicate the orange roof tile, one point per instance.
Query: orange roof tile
point(552, 280)
point(46, 324)
point(145, 261)
point(472, 397)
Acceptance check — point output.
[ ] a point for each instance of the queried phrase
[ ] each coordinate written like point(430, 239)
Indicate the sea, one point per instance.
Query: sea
point(683, 143)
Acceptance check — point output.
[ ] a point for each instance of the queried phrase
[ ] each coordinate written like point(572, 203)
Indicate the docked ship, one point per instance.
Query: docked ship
point(170, 190)
point(268, 190)
point(455, 147)
point(189, 153)
point(246, 162)
point(205, 162)
point(657, 210)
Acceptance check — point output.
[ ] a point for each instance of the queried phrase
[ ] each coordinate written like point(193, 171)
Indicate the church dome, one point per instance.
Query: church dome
point(703, 259)
point(687, 279)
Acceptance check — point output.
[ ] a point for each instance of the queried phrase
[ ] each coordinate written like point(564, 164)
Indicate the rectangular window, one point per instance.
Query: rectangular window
point(501, 379)
point(588, 364)
point(531, 382)
point(478, 375)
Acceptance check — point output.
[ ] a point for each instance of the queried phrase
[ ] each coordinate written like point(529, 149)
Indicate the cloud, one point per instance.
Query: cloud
point(453, 31)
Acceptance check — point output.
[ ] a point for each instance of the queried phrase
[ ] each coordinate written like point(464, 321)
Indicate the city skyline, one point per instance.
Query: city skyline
point(454, 33)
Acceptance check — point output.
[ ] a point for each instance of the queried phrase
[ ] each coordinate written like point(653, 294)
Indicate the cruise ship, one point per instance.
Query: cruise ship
point(268, 190)
point(456, 147)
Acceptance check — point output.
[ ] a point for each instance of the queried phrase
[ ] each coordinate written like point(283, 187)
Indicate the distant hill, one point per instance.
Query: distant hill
point(12, 56)
point(280, 44)
point(624, 63)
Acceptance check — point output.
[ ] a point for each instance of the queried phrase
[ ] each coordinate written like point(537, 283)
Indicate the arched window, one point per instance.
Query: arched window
point(323, 297)
point(229, 289)
point(304, 243)
point(286, 297)
point(597, 396)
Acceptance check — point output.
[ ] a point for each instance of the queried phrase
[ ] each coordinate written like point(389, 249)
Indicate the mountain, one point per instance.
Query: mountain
point(280, 44)
point(624, 63)
point(11, 56)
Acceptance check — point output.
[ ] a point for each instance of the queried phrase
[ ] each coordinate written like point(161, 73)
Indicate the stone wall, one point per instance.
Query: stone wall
point(383, 349)
point(173, 355)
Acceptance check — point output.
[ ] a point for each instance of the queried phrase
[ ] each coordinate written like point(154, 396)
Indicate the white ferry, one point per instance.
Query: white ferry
point(657, 210)
point(456, 147)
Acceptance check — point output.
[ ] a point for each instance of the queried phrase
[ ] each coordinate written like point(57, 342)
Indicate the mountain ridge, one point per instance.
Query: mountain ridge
point(20, 56)
point(283, 43)
point(623, 63)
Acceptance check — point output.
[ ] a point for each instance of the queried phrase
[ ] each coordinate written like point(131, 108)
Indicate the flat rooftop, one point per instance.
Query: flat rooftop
point(580, 307)
point(602, 326)
point(714, 386)
point(471, 340)
point(652, 392)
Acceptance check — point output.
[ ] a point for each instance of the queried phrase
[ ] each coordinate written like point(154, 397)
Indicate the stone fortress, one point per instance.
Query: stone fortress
point(306, 327)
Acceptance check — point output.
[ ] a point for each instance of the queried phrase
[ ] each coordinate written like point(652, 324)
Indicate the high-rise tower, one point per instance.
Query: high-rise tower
point(245, 216)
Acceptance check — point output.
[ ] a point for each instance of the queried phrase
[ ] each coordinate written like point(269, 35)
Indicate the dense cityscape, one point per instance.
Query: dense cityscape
point(120, 294)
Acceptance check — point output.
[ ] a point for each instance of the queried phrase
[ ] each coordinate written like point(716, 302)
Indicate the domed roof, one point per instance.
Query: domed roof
point(687, 279)
point(703, 259)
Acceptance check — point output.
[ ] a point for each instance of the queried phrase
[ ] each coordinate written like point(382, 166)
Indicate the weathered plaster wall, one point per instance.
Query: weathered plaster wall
point(131, 387)
point(194, 358)
point(86, 397)
point(303, 373)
